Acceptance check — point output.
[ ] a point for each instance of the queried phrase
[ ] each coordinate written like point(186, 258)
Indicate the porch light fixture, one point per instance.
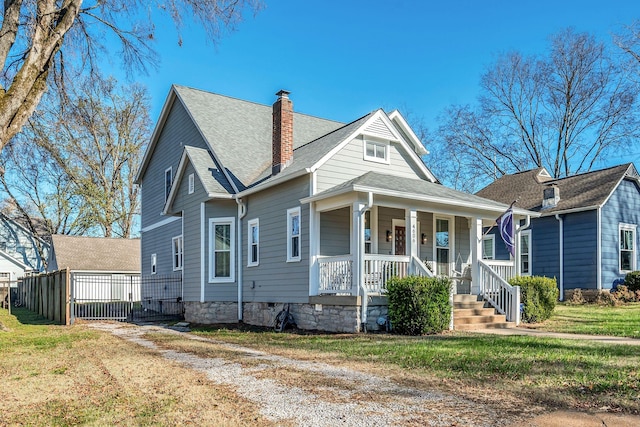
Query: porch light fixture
point(389, 235)
point(423, 239)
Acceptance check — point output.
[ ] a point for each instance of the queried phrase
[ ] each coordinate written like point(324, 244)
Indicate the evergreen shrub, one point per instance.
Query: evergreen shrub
point(419, 305)
point(538, 295)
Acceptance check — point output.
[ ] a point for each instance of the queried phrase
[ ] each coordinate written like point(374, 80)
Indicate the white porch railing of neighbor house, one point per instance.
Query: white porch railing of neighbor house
point(500, 294)
point(505, 269)
point(336, 274)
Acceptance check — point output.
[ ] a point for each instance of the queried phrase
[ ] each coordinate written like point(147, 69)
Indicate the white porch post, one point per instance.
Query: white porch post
point(411, 221)
point(476, 254)
point(314, 249)
point(357, 247)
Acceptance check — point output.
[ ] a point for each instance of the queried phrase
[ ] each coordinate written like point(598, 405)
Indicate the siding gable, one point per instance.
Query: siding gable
point(379, 129)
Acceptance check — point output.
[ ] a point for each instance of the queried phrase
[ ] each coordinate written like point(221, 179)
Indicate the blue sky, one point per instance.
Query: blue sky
point(342, 59)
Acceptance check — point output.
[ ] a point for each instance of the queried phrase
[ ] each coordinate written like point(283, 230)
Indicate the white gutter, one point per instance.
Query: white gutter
point(561, 250)
point(242, 211)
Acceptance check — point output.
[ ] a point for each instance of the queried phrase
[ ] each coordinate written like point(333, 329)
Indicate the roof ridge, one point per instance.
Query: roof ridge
point(335, 130)
point(581, 174)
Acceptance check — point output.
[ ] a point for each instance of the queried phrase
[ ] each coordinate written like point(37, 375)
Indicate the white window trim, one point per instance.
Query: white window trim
point(154, 265)
point(232, 257)
point(164, 184)
point(250, 224)
point(529, 253)
point(368, 158)
point(491, 237)
point(290, 214)
point(180, 252)
point(628, 227)
point(191, 183)
point(452, 241)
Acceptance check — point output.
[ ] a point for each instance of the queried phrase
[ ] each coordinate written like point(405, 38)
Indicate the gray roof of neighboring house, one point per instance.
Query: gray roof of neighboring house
point(413, 188)
point(212, 179)
point(585, 190)
point(240, 132)
point(95, 253)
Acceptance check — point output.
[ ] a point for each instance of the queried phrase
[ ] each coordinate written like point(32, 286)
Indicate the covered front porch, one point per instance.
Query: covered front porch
point(360, 239)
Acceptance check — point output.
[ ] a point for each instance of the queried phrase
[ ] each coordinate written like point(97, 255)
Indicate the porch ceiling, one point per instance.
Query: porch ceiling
point(398, 191)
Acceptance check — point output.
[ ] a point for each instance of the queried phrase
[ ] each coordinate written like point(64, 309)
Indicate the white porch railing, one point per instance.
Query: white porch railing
point(500, 294)
point(336, 274)
point(378, 269)
point(505, 269)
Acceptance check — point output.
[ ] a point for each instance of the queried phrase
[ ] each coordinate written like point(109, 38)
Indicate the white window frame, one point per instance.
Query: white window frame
point(167, 184)
point(231, 222)
point(177, 252)
point(492, 238)
point(291, 213)
point(376, 144)
point(627, 227)
point(154, 264)
point(192, 184)
point(520, 253)
point(251, 224)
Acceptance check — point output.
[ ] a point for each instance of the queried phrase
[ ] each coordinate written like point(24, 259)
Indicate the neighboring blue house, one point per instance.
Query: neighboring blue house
point(586, 236)
point(19, 251)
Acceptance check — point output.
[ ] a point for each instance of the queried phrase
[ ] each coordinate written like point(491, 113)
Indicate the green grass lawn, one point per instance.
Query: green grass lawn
point(592, 319)
point(561, 373)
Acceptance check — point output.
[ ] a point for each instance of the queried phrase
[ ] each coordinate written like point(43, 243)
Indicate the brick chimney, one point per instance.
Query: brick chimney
point(282, 139)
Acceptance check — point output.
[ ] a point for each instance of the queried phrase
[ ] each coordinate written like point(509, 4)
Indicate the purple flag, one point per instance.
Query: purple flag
point(505, 225)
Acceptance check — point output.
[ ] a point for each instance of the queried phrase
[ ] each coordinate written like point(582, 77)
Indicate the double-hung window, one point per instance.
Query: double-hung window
point(627, 254)
point(525, 253)
point(293, 234)
point(253, 243)
point(221, 250)
point(168, 177)
point(375, 151)
point(154, 264)
point(177, 249)
point(489, 247)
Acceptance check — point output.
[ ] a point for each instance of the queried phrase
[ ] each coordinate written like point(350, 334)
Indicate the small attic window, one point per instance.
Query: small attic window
point(376, 151)
point(191, 183)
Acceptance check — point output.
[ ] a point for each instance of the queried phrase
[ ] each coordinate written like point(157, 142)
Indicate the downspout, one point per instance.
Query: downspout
point(561, 245)
point(365, 297)
point(599, 250)
point(242, 211)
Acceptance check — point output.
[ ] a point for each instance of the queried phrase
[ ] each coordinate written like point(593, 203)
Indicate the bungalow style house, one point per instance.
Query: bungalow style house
point(586, 234)
point(260, 208)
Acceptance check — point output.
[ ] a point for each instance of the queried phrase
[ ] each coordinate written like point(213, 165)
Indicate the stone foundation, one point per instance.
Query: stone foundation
point(589, 295)
point(322, 313)
point(210, 312)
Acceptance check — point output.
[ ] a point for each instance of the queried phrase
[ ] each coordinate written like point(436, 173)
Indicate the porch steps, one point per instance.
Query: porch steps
point(470, 312)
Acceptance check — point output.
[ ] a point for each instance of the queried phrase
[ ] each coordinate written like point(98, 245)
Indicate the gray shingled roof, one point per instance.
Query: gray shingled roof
point(212, 179)
point(240, 132)
point(586, 190)
point(96, 253)
point(413, 188)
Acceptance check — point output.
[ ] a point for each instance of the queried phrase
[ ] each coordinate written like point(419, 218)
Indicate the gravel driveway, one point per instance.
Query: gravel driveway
point(342, 396)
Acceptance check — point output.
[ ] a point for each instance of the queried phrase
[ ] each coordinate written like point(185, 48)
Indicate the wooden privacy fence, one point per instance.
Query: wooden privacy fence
point(48, 295)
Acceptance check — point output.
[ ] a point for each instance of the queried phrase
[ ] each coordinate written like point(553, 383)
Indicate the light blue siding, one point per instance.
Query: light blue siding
point(275, 279)
point(349, 163)
point(335, 232)
point(177, 132)
point(622, 207)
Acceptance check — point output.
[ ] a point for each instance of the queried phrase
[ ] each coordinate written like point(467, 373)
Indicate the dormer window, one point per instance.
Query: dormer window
point(375, 151)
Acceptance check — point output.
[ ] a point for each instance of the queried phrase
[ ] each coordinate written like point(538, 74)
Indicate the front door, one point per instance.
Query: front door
point(400, 234)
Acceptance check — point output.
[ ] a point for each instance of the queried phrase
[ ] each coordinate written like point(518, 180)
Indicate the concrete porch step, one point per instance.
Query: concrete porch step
point(471, 312)
point(473, 326)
